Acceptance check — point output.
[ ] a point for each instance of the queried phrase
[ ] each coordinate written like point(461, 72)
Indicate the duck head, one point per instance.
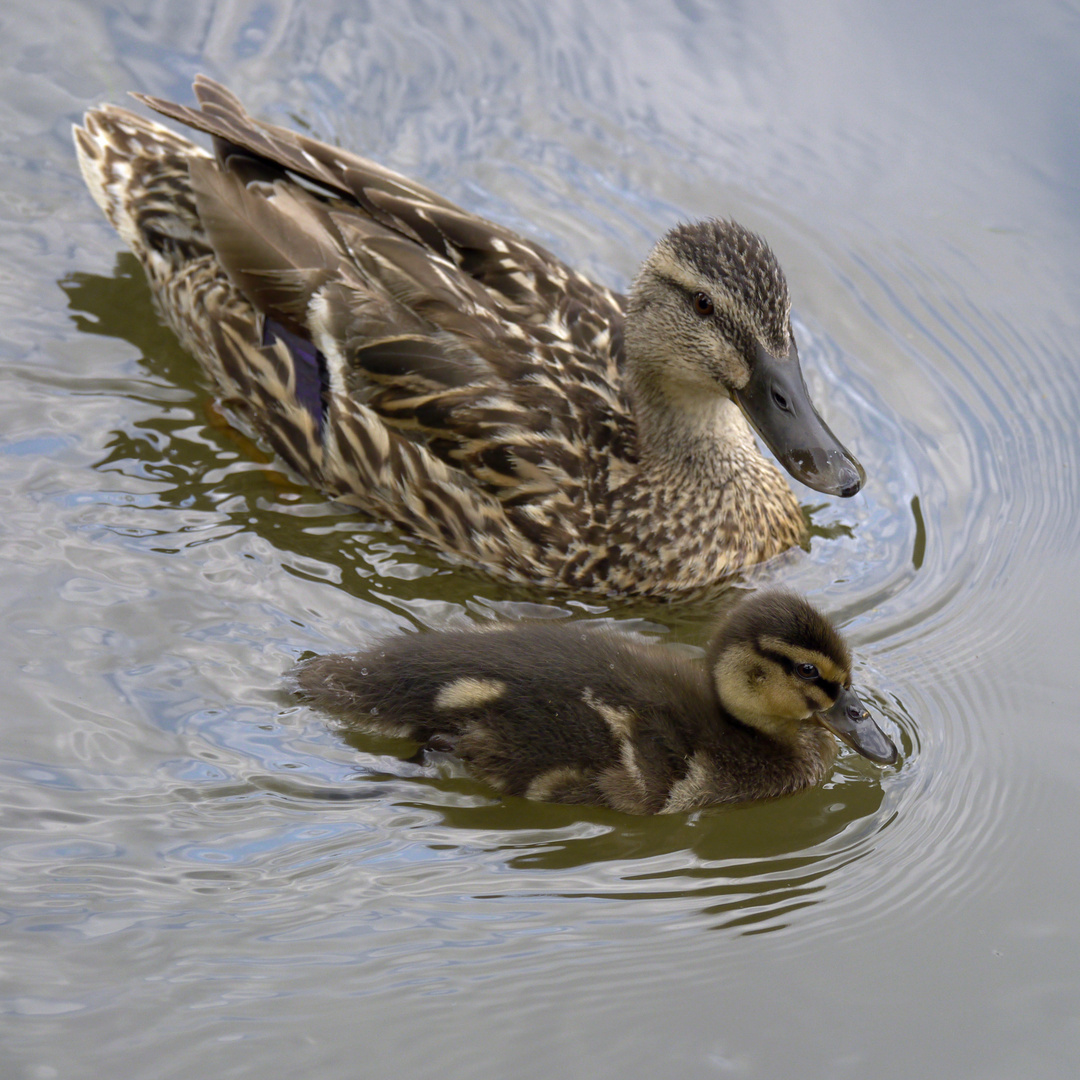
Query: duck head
point(709, 313)
point(779, 664)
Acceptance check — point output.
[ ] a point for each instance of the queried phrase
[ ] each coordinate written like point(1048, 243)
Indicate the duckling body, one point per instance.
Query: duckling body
point(435, 369)
point(568, 713)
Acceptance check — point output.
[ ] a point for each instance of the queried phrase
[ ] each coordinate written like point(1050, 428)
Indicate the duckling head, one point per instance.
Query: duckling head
point(708, 316)
point(778, 664)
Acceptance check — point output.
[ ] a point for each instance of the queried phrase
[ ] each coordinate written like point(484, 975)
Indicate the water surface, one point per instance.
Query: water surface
point(201, 878)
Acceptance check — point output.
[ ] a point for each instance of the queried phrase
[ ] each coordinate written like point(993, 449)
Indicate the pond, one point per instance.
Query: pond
point(202, 878)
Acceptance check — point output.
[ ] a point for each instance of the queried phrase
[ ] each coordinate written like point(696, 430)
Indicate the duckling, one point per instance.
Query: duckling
point(568, 713)
point(432, 368)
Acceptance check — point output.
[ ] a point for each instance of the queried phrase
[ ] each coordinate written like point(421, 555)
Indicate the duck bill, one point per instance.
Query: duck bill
point(849, 721)
point(778, 405)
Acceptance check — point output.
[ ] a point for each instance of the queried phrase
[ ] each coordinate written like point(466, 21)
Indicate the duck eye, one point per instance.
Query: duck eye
point(703, 304)
point(806, 671)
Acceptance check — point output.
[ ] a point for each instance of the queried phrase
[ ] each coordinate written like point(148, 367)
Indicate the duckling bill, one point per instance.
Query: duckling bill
point(568, 713)
point(437, 370)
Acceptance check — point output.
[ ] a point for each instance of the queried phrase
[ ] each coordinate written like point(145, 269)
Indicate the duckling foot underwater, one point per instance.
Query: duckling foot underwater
point(432, 368)
point(571, 713)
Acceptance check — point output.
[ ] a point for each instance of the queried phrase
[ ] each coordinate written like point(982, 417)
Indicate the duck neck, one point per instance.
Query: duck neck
point(690, 436)
point(802, 755)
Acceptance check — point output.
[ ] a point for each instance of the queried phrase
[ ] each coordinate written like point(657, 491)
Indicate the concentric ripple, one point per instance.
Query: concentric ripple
point(909, 569)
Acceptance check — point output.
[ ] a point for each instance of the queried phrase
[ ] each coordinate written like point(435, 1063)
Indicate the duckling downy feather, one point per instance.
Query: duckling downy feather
point(569, 713)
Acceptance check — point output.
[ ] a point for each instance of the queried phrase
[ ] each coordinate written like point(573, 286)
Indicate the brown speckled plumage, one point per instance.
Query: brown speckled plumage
point(571, 713)
point(435, 369)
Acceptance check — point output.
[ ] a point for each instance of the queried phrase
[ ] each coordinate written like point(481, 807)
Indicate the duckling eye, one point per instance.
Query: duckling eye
point(703, 304)
point(806, 671)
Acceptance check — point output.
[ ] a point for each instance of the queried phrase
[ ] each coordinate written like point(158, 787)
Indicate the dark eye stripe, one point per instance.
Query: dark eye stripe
point(780, 658)
point(831, 688)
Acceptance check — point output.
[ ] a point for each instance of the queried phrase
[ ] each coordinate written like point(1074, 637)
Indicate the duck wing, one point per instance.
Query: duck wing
point(456, 332)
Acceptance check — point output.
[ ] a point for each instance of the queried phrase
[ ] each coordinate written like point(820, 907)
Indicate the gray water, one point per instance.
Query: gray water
point(183, 890)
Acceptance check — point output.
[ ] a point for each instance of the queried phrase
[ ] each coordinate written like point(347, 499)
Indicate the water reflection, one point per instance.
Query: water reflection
point(749, 868)
point(737, 866)
point(205, 464)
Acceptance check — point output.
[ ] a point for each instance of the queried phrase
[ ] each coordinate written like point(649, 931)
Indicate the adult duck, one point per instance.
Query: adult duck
point(435, 369)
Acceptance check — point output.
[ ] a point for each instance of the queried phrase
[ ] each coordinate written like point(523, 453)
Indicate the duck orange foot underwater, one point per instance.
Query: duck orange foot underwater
point(578, 714)
point(435, 369)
